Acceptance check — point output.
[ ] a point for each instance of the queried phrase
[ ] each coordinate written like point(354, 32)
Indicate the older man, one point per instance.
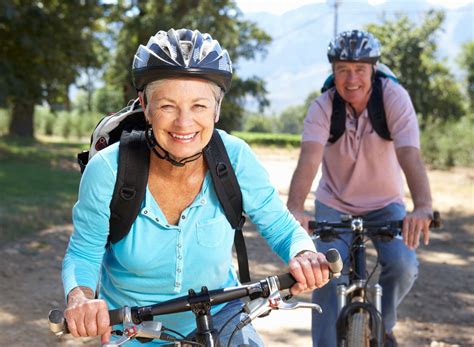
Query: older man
point(363, 155)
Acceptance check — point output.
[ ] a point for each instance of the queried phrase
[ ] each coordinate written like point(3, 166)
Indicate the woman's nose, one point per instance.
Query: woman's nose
point(184, 118)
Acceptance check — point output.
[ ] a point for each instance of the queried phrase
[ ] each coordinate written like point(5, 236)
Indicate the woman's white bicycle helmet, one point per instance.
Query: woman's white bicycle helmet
point(181, 53)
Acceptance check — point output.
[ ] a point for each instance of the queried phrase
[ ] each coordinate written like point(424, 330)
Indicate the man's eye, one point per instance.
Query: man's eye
point(166, 107)
point(200, 107)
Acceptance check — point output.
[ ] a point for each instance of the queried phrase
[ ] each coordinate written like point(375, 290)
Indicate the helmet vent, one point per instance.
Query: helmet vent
point(352, 44)
point(186, 47)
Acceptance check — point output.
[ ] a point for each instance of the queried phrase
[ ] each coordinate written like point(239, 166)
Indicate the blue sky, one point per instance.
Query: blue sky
point(281, 6)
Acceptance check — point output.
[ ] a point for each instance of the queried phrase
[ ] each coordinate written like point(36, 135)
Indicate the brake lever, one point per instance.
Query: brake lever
point(293, 305)
point(147, 329)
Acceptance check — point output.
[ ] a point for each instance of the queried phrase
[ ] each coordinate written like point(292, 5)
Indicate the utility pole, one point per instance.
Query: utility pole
point(337, 3)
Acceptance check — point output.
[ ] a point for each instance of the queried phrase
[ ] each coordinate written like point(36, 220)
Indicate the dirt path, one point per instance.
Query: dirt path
point(439, 311)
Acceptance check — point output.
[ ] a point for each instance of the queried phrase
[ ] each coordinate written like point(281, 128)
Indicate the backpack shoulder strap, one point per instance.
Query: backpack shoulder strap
point(376, 110)
point(130, 186)
point(229, 195)
point(338, 118)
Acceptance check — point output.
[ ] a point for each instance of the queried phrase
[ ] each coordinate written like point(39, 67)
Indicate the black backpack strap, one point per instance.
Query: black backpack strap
point(130, 186)
point(376, 110)
point(338, 118)
point(229, 195)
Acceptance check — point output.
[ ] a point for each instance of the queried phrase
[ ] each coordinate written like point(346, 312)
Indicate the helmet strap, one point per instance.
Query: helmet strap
point(152, 144)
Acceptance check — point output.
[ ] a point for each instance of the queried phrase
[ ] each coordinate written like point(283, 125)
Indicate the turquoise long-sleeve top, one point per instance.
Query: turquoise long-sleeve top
point(157, 261)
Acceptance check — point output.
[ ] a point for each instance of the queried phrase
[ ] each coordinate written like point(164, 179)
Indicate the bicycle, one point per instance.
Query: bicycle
point(264, 296)
point(359, 305)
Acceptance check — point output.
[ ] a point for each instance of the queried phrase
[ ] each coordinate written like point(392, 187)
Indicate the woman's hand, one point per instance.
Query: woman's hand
point(87, 316)
point(310, 270)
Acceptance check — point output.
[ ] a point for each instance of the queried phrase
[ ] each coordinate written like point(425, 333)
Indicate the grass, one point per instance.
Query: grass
point(38, 185)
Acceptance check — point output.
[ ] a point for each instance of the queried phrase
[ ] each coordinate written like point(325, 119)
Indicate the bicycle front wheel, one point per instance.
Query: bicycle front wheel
point(358, 333)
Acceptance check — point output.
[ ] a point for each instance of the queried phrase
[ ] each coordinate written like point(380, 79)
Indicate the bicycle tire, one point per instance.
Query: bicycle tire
point(358, 332)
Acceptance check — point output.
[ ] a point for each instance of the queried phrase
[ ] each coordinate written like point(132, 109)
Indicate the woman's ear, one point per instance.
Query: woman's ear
point(142, 98)
point(143, 103)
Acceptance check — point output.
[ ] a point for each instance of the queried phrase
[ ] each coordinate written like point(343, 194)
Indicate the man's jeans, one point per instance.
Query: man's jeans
point(399, 272)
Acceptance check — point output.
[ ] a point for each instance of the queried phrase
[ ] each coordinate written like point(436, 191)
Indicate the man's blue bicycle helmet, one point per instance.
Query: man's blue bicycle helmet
point(354, 45)
point(181, 53)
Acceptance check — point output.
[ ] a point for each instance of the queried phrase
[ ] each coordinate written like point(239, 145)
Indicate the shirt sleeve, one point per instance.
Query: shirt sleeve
point(263, 205)
point(91, 213)
point(401, 116)
point(317, 120)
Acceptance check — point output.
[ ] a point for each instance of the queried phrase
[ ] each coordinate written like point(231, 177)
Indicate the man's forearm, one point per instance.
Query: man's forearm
point(415, 173)
point(299, 189)
point(305, 172)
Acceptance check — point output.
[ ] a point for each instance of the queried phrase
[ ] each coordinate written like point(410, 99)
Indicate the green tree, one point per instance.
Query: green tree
point(44, 44)
point(291, 119)
point(410, 51)
point(107, 100)
point(258, 123)
point(466, 61)
point(221, 18)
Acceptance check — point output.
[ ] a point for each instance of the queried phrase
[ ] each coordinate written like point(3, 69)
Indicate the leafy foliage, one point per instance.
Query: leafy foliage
point(439, 148)
point(266, 139)
point(107, 99)
point(466, 60)
point(410, 51)
point(44, 45)
point(258, 123)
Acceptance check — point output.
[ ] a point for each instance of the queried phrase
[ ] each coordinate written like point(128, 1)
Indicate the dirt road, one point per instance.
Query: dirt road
point(439, 311)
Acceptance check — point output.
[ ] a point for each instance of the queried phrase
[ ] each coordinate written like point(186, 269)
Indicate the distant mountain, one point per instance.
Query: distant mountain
point(296, 63)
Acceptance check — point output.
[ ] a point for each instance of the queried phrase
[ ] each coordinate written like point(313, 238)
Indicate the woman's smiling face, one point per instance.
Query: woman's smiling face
point(182, 113)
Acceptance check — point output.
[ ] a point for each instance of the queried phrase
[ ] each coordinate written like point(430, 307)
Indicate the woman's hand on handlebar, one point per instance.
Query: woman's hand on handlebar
point(415, 224)
point(310, 270)
point(87, 316)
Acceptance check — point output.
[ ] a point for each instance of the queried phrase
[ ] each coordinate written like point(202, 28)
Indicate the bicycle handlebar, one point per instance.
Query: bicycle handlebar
point(390, 226)
point(260, 289)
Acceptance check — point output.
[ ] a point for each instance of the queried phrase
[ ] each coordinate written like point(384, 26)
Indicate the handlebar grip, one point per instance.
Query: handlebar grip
point(436, 221)
point(286, 281)
point(335, 266)
point(57, 322)
point(116, 316)
point(334, 261)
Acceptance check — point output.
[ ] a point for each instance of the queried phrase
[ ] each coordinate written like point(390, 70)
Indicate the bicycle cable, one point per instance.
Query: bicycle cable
point(173, 331)
point(227, 322)
point(232, 336)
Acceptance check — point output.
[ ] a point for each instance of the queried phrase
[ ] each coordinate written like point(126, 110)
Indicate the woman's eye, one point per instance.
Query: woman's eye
point(167, 107)
point(200, 107)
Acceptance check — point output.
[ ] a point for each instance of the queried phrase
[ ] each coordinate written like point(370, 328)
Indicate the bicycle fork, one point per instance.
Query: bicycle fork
point(374, 292)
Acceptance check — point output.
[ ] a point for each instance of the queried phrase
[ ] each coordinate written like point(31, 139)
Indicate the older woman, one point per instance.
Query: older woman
point(181, 239)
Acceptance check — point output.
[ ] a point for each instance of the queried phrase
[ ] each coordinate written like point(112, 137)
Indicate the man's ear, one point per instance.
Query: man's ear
point(218, 111)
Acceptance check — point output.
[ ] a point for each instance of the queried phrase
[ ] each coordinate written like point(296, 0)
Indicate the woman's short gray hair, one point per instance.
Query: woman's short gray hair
point(217, 91)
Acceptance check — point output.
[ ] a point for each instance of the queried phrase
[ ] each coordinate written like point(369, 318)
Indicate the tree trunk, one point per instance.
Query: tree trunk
point(21, 123)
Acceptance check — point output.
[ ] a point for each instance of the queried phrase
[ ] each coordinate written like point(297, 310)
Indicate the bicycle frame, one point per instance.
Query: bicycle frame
point(357, 289)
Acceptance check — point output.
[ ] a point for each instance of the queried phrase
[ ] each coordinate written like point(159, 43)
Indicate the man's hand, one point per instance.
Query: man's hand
point(303, 218)
point(310, 270)
point(416, 223)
